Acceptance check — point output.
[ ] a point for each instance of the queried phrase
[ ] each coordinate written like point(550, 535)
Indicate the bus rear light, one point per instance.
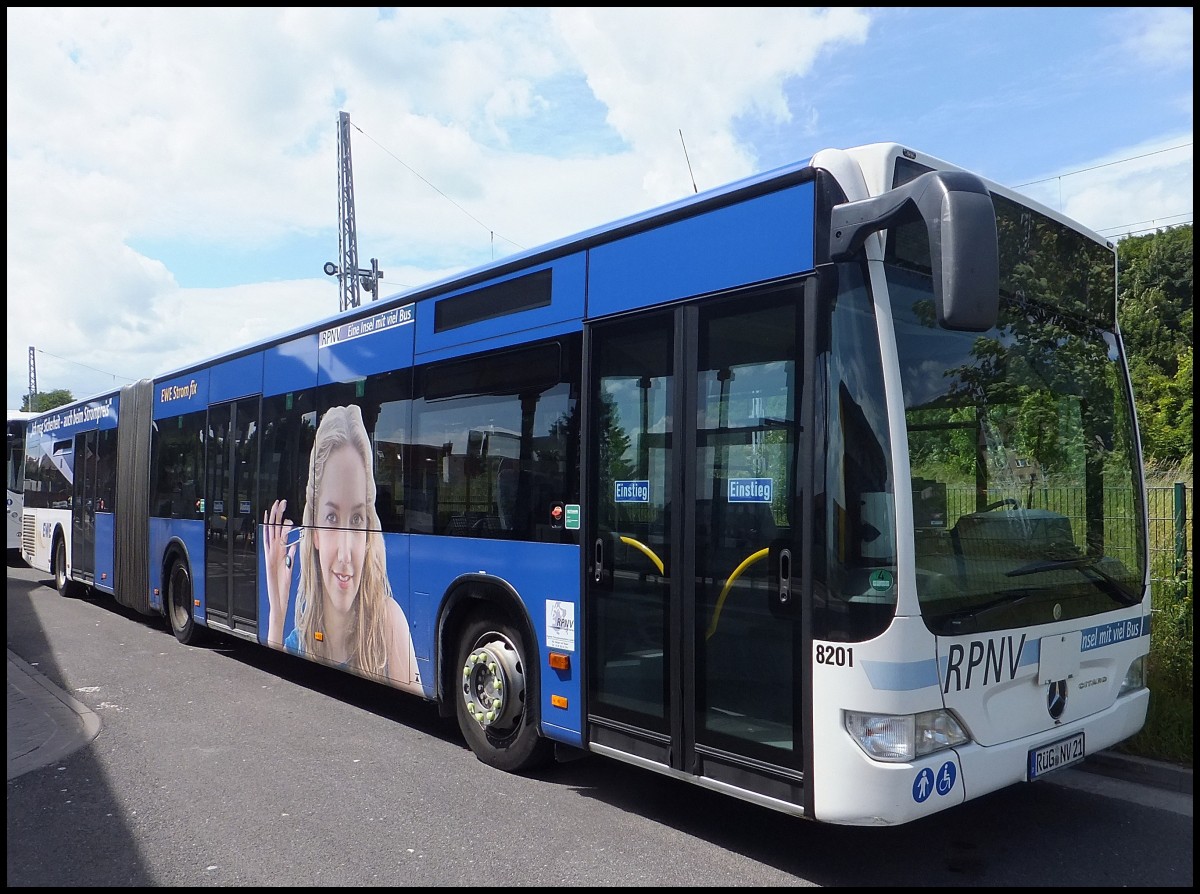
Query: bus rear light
point(904, 737)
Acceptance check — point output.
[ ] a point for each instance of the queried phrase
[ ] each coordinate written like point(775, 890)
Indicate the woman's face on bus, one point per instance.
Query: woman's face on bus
point(341, 534)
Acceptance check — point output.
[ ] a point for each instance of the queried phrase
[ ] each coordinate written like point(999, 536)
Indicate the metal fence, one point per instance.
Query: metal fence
point(1170, 532)
point(1167, 508)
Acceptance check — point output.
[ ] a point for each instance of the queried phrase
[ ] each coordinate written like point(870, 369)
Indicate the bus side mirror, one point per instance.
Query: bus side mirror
point(958, 213)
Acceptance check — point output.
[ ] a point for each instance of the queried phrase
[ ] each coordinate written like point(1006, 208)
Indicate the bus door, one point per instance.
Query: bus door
point(694, 655)
point(231, 565)
point(83, 508)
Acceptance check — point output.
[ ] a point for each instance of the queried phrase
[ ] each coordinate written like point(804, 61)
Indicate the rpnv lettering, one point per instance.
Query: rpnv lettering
point(992, 660)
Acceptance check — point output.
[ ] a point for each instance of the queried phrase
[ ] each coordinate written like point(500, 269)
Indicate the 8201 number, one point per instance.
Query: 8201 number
point(838, 656)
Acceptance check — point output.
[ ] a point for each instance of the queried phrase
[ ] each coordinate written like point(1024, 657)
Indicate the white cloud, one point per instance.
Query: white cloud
point(1160, 36)
point(659, 71)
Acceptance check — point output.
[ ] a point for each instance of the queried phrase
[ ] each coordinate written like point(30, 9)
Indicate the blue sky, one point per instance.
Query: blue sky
point(172, 174)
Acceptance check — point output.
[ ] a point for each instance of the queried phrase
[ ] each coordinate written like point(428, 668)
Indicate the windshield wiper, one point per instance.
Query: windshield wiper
point(1086, 564)
point(1005, 600)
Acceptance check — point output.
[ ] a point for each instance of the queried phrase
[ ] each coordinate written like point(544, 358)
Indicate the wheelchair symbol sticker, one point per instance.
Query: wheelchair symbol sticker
point(926, 784)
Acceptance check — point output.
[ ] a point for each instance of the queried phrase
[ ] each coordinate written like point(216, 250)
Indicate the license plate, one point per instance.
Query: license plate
point(1055, 756)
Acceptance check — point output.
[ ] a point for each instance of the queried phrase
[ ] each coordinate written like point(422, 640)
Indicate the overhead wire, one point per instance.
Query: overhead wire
point(84, 365)
point(415, 173)
point(1156, 223)
point(1106, 164)
point(1122, 227)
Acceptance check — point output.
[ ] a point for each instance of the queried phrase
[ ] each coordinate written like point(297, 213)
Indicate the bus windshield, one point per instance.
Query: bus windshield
point(1026, 499)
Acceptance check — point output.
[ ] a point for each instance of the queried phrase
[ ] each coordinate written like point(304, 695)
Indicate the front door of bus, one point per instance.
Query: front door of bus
point(694, 526)
point(231, 566)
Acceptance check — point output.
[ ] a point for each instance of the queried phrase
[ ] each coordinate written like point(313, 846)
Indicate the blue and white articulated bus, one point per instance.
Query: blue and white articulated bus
point(822, 489)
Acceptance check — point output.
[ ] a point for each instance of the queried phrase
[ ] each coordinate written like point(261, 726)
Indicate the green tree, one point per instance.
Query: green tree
point(46, 400)
point(1154, 309)
point(1165, 412)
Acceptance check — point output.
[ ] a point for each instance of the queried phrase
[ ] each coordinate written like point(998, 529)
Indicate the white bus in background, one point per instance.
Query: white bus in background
point(15, 487)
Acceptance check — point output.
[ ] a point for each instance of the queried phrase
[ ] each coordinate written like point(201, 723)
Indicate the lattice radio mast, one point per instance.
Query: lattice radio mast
point(32, 378)
point(350, 277)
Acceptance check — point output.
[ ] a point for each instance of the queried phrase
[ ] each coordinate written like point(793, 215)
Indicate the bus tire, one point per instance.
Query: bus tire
point(62, 582)
point(495, 698)
point(180, 604)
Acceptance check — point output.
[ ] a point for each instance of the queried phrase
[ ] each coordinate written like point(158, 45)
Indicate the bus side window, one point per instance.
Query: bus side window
point(385, 507)
point(506, 493)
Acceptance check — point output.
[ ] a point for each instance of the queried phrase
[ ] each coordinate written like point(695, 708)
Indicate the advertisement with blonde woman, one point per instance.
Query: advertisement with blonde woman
point(345, 613)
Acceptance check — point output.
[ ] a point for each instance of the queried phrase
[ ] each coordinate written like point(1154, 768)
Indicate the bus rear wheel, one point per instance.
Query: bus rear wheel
point(179, 605)
point(496, 700)
point(62, 582)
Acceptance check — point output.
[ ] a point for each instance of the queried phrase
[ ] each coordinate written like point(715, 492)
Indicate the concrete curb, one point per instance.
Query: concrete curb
point(1157, 774)
point(45, 724)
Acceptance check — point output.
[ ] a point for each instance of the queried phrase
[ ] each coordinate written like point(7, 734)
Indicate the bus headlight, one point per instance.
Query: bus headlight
point(904, 737)
point(1135, 677)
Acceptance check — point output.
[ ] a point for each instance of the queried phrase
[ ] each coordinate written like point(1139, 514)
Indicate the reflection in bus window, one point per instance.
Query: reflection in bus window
point(491, 459)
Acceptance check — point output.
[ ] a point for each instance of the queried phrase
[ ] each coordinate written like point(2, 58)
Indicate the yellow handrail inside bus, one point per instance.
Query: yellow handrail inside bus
point(645, 549)
point(737, 572)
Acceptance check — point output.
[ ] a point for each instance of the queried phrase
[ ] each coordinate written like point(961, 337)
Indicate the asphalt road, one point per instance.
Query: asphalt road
point(230, 764)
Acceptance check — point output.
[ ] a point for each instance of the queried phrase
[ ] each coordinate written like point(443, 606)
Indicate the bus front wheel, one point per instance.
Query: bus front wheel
point(179, 605)
point(495, 700)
